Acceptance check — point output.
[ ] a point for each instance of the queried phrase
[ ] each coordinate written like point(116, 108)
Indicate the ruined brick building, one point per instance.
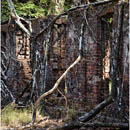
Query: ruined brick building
point(89, 79)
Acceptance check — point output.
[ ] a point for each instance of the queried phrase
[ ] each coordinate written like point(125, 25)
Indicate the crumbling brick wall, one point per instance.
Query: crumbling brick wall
point(13, 71)
point(88, 73)
point(85, 80)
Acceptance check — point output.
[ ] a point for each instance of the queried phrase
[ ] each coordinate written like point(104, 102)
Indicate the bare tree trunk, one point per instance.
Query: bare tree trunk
point(115, 54)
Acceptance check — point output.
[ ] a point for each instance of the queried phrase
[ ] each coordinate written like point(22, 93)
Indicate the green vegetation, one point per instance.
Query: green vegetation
point(71, 111)
point(5, 11)
point(30, 9)
point(14, 117)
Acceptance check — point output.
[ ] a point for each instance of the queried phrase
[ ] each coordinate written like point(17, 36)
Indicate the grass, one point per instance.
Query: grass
point(14, 117)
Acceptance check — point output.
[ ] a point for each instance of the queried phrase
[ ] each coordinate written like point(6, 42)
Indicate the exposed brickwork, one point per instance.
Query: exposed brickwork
point(17, 45)
point(85, 80)
point(85, 77)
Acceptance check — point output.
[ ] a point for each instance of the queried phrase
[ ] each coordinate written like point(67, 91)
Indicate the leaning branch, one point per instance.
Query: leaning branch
point(58, 81)
point(96, 110)
point(54, 88)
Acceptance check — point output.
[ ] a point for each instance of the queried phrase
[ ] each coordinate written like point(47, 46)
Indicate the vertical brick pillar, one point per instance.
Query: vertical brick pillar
point(93, 61)
point(76, 77)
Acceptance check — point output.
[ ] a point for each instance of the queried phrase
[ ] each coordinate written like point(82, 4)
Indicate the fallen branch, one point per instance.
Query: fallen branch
point(96, 124)
point(79, 123)
point(96, 110)
point(113, 125)
point(109, 119)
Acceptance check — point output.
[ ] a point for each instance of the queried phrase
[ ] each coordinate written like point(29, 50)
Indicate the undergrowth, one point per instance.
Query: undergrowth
point(11, 116)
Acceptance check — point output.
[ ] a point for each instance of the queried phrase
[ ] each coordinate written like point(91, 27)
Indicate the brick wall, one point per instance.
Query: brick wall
point(88, 73)
point(15, 46)
point(85, 80)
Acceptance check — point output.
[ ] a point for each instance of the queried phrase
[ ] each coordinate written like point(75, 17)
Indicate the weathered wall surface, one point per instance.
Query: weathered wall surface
point(16, 70)
point(9, 65)
point(85, 78)
point(85, 81)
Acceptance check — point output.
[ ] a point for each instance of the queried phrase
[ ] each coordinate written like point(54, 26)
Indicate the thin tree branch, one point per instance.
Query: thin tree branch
point(54, 88)
point(66, 102)
point(5, 88)
point(90, 29)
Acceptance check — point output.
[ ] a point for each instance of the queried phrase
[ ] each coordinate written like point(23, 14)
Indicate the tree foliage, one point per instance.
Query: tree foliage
point(27, 9)
point(5, 12)
point(31, 8)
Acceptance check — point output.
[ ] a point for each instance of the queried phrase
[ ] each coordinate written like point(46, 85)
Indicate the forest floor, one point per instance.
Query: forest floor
point(44, 124)
point(54, 113)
